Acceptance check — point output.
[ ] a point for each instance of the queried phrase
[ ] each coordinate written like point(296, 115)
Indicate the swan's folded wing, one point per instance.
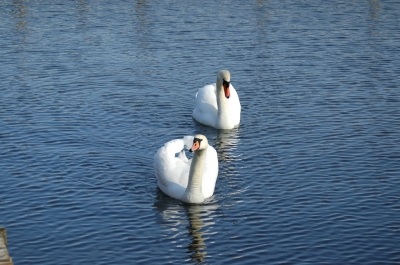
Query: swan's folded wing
point(206, 109)
point(207, 94)
point(234, 106)
point(210, 172)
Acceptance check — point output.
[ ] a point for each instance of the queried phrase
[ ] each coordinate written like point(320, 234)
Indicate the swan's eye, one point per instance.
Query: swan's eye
point(225, 83)
point(196, 143)
point(197, 140)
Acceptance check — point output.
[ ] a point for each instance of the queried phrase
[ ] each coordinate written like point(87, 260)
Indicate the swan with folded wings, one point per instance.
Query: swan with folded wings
point(218, 104)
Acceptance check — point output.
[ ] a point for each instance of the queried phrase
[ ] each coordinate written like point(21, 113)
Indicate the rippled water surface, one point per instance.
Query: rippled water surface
point(90, 90)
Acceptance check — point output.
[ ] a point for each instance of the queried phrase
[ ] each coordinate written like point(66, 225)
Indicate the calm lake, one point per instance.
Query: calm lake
point(89, 90)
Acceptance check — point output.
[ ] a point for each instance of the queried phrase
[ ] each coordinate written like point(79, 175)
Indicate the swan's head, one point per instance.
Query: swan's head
point(199, 143)
point(224, 80)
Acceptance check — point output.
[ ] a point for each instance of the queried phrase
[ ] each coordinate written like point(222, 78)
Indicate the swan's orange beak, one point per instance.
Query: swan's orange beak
point(226, 89)
point(195, 146)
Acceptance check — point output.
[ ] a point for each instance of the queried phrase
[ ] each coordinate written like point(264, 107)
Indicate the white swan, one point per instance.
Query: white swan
point(192, 180)
point(218, 105)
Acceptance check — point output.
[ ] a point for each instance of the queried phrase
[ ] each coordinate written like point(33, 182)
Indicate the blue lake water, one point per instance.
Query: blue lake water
point(89, 90)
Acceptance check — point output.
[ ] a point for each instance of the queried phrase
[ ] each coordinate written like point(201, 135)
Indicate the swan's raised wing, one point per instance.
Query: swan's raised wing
point(172, 172)
point(188, 141)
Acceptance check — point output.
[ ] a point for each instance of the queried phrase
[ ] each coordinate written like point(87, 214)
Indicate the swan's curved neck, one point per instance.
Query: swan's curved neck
point(194, 191)
point(223, 107)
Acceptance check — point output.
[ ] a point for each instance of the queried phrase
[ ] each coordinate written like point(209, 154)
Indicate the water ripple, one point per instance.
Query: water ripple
point(91, 90)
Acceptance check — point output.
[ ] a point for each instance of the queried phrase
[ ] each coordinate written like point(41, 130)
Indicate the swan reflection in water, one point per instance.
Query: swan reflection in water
point(198, 217)
point(225, 143)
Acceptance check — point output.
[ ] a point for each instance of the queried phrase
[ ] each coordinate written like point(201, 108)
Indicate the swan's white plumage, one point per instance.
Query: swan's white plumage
point(206, 109)
point(172, 171)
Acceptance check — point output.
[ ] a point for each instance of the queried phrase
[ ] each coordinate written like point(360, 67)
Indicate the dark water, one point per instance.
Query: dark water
point(90, 90)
